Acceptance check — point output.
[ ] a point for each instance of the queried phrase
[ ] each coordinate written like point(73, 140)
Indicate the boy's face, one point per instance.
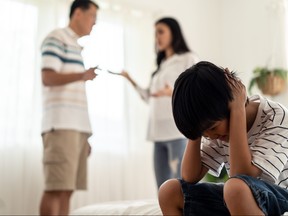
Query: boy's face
point(219, 130)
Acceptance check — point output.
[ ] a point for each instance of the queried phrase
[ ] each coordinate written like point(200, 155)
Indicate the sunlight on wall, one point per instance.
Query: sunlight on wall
point(20, 110)
point(18, 71)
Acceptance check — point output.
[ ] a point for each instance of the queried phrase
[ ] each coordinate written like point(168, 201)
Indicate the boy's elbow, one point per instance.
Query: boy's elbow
point(189, 178)
point(253, 172)
point(193, 177)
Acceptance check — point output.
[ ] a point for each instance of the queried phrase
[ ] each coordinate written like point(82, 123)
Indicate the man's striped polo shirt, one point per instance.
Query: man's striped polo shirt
point(64, 107)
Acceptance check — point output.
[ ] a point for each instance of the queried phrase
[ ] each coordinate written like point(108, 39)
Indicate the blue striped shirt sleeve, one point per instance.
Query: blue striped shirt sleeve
point(53, 54)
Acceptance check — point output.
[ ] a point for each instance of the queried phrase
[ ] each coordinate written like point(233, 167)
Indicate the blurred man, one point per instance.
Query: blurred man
point(65, 124)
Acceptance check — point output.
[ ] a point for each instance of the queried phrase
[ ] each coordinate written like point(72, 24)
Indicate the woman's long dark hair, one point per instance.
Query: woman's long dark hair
point(178, 43)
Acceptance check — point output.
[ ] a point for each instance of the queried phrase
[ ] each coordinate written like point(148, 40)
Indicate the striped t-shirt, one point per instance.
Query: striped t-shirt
point(65, 106)
point(268, 142)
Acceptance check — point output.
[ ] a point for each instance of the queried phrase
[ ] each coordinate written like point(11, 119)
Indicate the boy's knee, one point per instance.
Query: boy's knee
point(169, 187)
point(170, 191)
point(234, 188)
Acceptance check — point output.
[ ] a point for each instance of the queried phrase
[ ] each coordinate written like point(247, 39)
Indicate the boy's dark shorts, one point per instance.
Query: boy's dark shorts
point(207, 198)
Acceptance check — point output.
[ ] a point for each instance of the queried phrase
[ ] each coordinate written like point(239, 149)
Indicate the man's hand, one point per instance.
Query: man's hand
point(89, 74)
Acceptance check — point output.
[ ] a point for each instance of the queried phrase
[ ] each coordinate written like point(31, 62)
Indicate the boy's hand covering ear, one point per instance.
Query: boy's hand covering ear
point(238, 90)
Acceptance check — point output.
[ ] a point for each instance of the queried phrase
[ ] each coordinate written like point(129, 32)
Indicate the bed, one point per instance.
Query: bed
point(128, 207)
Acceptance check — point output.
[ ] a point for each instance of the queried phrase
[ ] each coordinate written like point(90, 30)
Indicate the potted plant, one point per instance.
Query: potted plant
point(269, 81)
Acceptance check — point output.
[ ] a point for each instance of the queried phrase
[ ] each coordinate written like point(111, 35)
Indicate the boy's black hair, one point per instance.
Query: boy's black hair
point(178, 42)
point(83, 4)
point(200, 98)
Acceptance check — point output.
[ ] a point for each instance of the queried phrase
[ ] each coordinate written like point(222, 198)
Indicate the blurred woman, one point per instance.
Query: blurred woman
point(173, 57)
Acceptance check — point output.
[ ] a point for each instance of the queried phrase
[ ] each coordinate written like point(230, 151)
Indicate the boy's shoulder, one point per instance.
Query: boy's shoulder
point(268, 105)
point(270, 113)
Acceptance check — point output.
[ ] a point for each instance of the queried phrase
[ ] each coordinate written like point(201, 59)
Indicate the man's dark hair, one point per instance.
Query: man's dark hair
point(201, 97)
point(83, 4)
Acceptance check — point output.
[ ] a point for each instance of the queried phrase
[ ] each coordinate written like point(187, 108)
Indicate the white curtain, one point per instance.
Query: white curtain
point(120, 166)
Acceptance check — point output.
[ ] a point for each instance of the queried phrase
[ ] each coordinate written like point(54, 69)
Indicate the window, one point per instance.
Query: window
point(19, 73)
point(104, 47)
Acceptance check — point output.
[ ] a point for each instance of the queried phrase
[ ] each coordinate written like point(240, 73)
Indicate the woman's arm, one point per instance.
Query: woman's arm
point(192, 169)
point(127, 76)
point(144, 93)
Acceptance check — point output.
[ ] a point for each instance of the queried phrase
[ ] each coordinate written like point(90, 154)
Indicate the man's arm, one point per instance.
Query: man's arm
point(192, 169)
point(52, 78)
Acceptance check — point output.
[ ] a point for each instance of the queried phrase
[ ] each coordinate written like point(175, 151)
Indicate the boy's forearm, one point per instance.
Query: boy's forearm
point(240, 155)
point(191, 168)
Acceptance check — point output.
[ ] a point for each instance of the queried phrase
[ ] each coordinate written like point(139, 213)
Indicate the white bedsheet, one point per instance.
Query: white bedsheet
point(128, 207)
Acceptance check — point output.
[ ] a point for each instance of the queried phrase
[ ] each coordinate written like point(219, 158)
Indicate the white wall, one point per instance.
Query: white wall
point(201, 25)
point(247, 35)
point(238, 34)
point(253, 35)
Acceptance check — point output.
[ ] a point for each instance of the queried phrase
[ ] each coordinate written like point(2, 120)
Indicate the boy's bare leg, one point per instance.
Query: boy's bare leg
point(239, 198)
point(171, 199)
